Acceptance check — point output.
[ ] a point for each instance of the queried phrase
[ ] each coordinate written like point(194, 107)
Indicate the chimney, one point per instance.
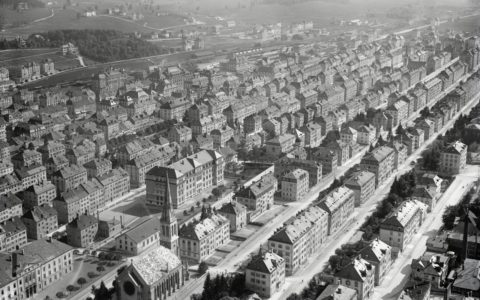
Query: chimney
point(14, 264)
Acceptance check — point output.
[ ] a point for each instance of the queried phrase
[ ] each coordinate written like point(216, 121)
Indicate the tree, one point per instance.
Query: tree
point(70, 288)
point(81, 281)
point(102, 292)
point(202, 268)
point(197, 204)
point(400, 130)
point(185, 212)
point(192, 209)
point(208, 291)
point(334, 262)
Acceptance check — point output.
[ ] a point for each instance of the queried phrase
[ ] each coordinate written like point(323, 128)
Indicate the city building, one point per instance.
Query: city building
point(339, 205)
point(82, 230)
point(453, 158)
point(359, 274)
point(142, 236)
point(69, 178)
point(295, 185)
point(380, 162)
point(399, 227)
point(258, 197)
point(337, 292)
point(188, 178)
point(265, 274)
point(431, 267)
point(199, 239)
point(300, 238)
point(236, 213)
point(10, 206)
point(362, 184)
point(379, 254)
point(40, 221)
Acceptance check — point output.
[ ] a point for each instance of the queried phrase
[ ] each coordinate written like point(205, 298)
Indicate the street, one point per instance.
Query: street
point(399, 273)
point(296, 283)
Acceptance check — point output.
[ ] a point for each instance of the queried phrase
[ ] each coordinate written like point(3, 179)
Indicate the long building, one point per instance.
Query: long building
point(381, 162)
point(300, 238)
point(339, 205)
point(188, 178)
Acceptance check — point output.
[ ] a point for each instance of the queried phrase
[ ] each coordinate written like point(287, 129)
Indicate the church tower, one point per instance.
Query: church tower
point(168, 222)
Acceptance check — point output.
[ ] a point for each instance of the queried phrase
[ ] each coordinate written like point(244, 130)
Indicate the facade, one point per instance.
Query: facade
point(337, 292)
point(295, 185)
point(38, 265)
point(380, 162)
point(154, 275)
point(199, 239)
point(265, 274)
point(141, 237)
point(379, 254)
point(40, 221)
point(188, 178)
point(363, 185)
point(69, 178)
point(10, 206)
point(41, 194)
point(359, 275)
point(258, 197)
point(400, 226)
point(339, 205)
point(300, 238)
point(453, 159)
point(115, 184)
point(236, 213)
point(82, 230)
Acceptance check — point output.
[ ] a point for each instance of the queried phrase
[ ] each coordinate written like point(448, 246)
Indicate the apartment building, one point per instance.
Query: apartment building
point(359, 274)
point(379, 254)
point(40, 221)
point(300, 238)
point(362, 184)
point(198, 240)
point(29, 271)
point(115, 184)
point(13, 235)
point(142, 236)
point(380, 162)
point(258, 197)
point(31, 175)
point(188, 178)
point(39, 194)
point(265, 274)
point(98, 167)
point(400, 226)
point(339, 205)
point(280, 144)
point(295, 185)
point(69, 178)
point(236, 213)
point(138, 167)
point(286, 164)
point(82, 230)
point(10, 206)
point(453, 159)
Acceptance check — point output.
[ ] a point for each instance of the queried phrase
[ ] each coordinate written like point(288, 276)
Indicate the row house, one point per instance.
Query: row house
point(31, 175)
point(98, 167)
point(221, 136)
point(13, 235)
point(339, 204)
point(326, 157)
point(180, 134)
point(69, 178)
point(400, 151)
point(286, 164)
point(413, 138)
point(50, 149)
point(115, 183)
point(42, 193)
point(252, 124)
point(300, 238)
point(81, 231)
point(132, 150)
point(294, 185)
point(206, 124)
point(80, 155)
point(399, 112)
point(26, 158)
point(174, 109)
point(238, 111)
point(186, 178)
point(71, 204)
point(10, 206)
point(55, 164)
point(433, 88)
point(313, 134)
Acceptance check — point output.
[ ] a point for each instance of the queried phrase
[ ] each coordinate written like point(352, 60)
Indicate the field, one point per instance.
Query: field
point(21, 56)
point(14, 18)
point(471, 24)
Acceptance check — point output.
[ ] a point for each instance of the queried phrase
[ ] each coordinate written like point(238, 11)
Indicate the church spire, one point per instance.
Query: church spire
point(167, 211)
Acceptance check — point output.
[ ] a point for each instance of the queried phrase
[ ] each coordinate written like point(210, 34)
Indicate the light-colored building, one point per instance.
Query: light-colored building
point(236, 213)
point(115, 183)
point(40, 221)
point(431, 267)
point(82, 230)
point(359, 275)
point(138, 167)
point(13, 235)
point(280, 144)
point(453, 159)
point(339, 205)
point(10, 206)
point(362, 184)
point(379, 254)
point(380, 162)
point(31, 270)
point(198, 240)
point(188, 178)
point(400, 226)
point(265, 274)
point(337, 292)
point(153, 275)
point(142, 236)
point(300, 238)
point(258, 197)
point(295, 185)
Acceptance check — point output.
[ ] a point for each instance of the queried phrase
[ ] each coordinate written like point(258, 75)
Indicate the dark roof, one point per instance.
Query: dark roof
point(82, 221)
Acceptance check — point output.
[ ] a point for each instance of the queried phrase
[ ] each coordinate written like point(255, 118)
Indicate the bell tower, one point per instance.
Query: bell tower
point(168, 222)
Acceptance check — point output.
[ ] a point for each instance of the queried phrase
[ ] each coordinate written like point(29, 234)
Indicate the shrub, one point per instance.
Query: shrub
point(92, 274)
point(81, 281)
point(60, 295)
point(70, 288)
point(101, 269)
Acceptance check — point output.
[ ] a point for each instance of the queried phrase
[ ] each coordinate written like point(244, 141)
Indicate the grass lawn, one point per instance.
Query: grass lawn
point(14, 18)
point(19, 53)
point(61, 62)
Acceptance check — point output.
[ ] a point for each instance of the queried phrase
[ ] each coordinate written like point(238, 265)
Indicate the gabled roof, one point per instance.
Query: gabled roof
point(265, 263)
